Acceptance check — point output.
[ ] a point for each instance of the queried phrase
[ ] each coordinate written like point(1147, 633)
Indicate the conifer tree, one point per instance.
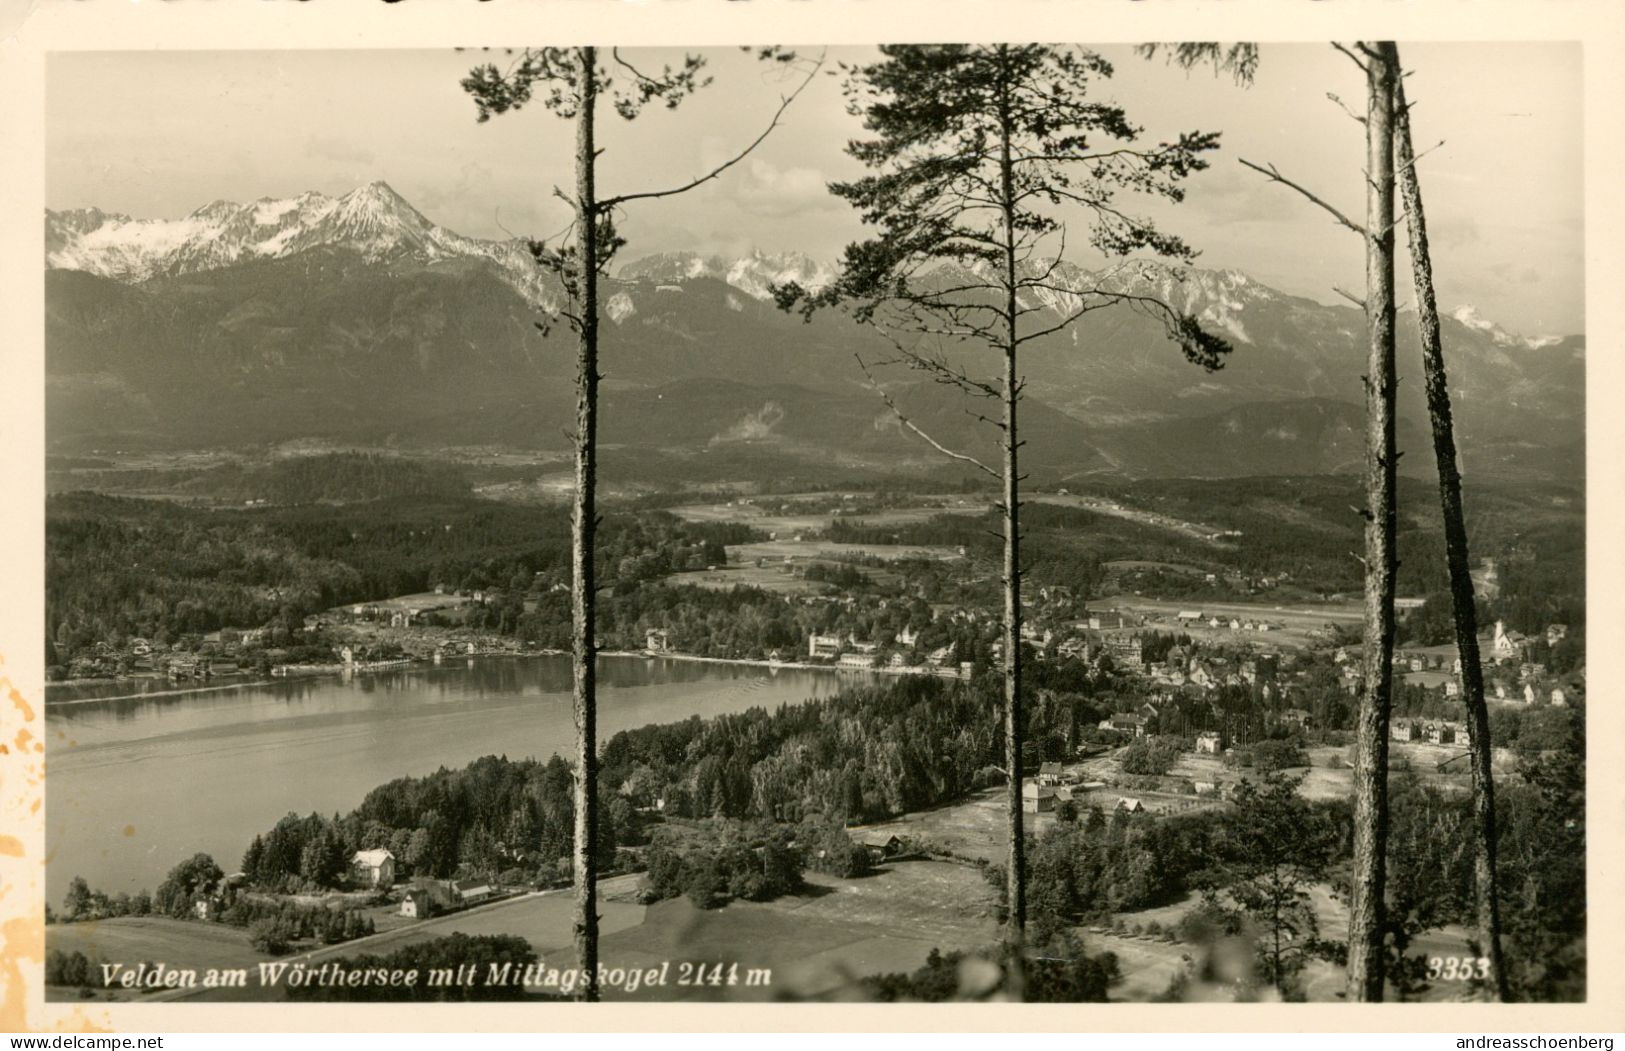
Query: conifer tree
point(977, 153)
point(571, 82)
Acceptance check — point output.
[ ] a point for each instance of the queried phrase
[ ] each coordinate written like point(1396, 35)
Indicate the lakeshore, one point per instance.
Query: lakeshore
point(290, 671)
point(140, 782)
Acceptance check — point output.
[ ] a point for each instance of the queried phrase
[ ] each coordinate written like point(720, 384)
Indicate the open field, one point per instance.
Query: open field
point(1327, 781)
point(974, 827)
point(774, 577)
point(815, 944)
point(541, 919)
point(781, 549)
point(1149, 963)
point(788, 523)
point(1298, 625)
point(132, 939)
point(420, 601)
point(1102, 506)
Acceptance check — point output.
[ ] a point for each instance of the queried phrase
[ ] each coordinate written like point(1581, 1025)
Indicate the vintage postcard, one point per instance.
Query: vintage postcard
point(680, 515)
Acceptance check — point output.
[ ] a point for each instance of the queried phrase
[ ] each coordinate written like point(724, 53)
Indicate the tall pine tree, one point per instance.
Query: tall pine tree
point(571, 82)
point(976, 154)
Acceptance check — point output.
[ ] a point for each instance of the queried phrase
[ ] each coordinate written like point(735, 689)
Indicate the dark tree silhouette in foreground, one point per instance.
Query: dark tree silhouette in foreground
point(1455, 541)
point(570, 82)
point(975, 154)
point(1367, 919)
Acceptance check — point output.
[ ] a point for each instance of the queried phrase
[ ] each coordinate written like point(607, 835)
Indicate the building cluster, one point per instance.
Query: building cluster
point(406, 613)
point(1195, 618)
point(1054, 785)
point(376, 870)
point(847, 651)
point(1433, 731)
point(1509, 674)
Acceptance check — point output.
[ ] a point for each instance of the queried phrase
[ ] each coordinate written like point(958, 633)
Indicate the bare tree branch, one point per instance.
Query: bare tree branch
point(911, 425)
point(1275, 176)
point(1356, 59)
point(784, 104)
point(1340, 105)
point(1408, 165)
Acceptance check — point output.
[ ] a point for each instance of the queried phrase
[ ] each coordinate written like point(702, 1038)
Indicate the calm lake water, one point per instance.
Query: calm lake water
point(136, 785)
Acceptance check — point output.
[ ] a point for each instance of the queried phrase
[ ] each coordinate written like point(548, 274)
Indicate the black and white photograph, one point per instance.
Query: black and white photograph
point(1001, 521)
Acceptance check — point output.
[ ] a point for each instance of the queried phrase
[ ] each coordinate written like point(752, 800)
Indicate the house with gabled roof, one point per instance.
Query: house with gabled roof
point(373, 868)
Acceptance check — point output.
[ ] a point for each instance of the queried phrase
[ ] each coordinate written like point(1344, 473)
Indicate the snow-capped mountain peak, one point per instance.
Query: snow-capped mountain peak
point(752, 274)
point(1469, 316)
point(380, 225)
point(372, 220)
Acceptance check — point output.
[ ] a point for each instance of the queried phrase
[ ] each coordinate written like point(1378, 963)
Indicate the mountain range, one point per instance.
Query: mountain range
point(357, 320)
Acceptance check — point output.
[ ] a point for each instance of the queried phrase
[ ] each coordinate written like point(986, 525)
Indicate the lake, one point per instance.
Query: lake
point(136, 785)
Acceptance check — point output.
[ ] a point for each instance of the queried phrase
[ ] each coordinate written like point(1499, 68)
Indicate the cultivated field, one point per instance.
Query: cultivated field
point(804, 549)
point(776, 576)
point(789, 523)
point(420, 601)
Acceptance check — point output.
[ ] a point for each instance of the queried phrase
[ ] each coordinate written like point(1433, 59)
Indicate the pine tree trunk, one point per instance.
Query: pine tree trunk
point(1455, 542)
point(583, 526)
point(1017, 884)
point(1366, 911)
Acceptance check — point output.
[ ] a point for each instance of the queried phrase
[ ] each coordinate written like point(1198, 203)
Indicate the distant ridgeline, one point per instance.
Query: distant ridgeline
point(342, 477)
point(118, 567)
point(360, 321)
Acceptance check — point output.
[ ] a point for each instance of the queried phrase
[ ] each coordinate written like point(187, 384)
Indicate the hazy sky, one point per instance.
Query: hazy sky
point(160, 134)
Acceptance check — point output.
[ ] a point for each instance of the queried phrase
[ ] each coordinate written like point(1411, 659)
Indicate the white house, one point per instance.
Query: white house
point(1507, 645)
point(373, 868)
point(472, 891)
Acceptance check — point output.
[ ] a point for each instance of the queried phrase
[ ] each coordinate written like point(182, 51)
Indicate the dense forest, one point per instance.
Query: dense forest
point(345, 477)
point(119, 568)
point(868, 753)
point(1253, 864)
